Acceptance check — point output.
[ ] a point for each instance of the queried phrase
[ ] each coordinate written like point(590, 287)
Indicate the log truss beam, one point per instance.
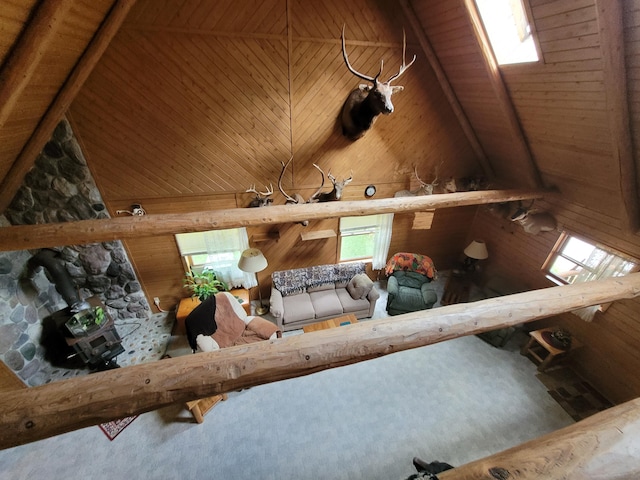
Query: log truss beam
point(27, 157)
point(23, 237)
point(40, 412)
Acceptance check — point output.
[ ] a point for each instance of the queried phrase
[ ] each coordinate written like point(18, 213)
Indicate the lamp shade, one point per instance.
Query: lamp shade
point(477, 250)
point(252, 260)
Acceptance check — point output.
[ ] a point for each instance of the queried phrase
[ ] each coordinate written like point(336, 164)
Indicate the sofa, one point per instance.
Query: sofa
point(409, 284)
point(303, 296)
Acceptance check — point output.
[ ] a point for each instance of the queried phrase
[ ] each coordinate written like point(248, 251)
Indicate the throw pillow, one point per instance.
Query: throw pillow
point(359, 286)
point(206, 343)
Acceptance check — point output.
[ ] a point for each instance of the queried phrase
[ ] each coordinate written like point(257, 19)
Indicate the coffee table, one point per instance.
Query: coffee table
point(331, 323)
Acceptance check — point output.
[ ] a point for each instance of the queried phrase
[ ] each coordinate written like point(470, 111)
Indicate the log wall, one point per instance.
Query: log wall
point(197, 101)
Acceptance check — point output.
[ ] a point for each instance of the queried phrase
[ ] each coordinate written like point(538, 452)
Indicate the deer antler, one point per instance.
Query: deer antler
point(252, 189)
point(322, 185)
point(353, 70)
point(404, 67)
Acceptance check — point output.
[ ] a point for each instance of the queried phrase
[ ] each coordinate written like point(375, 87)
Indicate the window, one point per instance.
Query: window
point(509, 31)
point(366, 238)
point(218, 250)
point(575, 260)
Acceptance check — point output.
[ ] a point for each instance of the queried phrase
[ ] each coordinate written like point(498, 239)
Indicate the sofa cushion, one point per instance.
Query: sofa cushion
point(320, 288)
point(349, 304)
point(326, 303)
point(360, 286)
point(298, 307)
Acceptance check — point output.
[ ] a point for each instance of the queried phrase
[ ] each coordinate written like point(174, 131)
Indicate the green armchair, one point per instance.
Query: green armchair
point(409, 292)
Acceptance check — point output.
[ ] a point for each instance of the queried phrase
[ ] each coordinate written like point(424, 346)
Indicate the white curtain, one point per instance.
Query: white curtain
point(382, 241)
point(223, 248)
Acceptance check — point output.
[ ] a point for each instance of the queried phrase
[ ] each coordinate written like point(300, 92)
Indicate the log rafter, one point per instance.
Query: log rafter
point(40, 412)
point(23, 237)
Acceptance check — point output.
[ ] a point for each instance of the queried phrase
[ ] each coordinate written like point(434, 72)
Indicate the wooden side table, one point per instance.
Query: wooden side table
point(186, 306)
point(457, 289)
point(199, 408)
point(542, 351)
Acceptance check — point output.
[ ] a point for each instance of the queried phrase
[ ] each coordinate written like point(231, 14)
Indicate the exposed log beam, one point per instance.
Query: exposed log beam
point(503, 97)
point(604, 445)
point(23, 237)
point(458, 111)
point(27, 157)
point(28, 51)
point(40, 412)
point(610, 25)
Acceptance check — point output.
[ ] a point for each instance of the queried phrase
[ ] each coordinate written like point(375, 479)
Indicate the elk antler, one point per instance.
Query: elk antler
point(353, 70)
point(287, 196)
point(404, 67)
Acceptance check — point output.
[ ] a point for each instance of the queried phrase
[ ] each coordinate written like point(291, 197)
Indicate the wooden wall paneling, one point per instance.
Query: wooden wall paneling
point(47, 78)
point(463, 63)
point(176, 114)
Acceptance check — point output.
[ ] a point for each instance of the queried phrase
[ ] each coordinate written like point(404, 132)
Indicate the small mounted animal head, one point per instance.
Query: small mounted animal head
point(424, 188)
point(366, 102)
point(336, 192)
point(262, 198)
point(534, 222)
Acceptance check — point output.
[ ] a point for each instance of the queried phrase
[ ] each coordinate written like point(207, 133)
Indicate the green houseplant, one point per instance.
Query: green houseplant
point(205, 284)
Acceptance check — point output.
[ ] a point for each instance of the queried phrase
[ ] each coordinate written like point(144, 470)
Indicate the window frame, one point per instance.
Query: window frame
point(556, 252)
point(473, 8)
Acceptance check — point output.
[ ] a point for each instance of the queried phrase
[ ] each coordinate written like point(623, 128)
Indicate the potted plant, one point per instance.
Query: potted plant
point(205, 284)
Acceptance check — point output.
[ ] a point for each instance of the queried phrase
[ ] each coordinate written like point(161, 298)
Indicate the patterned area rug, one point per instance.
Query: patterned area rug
point(576, 396)
point(113, 429)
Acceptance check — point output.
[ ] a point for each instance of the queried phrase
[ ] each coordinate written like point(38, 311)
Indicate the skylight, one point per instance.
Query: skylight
point(509, 31)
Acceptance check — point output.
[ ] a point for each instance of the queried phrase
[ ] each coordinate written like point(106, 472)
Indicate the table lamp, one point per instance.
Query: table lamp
point(476, 250)
point(252, 261)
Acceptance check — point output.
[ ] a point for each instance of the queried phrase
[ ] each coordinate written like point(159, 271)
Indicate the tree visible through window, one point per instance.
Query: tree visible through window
point(575, 260)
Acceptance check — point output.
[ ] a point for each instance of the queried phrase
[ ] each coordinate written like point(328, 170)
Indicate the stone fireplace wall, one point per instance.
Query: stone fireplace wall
point(59, 188)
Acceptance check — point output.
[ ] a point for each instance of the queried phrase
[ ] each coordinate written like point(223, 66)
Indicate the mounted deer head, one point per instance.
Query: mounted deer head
point(262, 198)
point(424, 188)
point(297, 199)
point(366, 102)
point(336, 192)
point(532, 221)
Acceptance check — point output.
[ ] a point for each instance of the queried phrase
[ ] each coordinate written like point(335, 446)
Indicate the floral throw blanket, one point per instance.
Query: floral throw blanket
point(413, 262)
point(291, 282)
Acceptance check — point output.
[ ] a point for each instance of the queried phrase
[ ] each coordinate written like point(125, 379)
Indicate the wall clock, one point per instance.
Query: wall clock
point(370, 191)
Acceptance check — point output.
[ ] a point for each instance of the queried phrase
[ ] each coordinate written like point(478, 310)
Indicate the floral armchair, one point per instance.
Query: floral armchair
point(408, 285)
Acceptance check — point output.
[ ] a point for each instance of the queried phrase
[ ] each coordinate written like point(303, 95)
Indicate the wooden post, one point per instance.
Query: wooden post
point(22, 237)
point(604, 445)
point(40, 412)
point(611, 28)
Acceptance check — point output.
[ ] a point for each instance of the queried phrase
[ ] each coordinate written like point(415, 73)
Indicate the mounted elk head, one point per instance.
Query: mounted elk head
point(533, 221)
point(424, 188)
point(262, 198)
point(336, 192)
point(366, 102)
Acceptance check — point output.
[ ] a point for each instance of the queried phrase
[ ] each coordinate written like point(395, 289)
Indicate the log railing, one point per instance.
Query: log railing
point(23, 237)
point(47, 410)
point(605, 445)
